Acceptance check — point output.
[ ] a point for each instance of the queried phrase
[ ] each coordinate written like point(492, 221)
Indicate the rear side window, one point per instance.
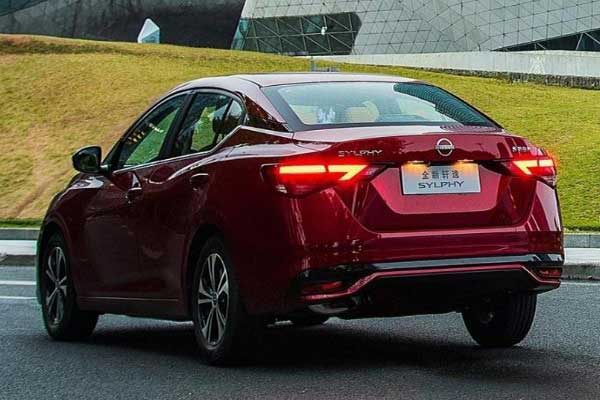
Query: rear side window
point(346, 104)
point(201, 128)
point(234, 117)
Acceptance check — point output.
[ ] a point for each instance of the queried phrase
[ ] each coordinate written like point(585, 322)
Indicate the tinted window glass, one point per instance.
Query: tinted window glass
point(143, 145)
point(321, 105)
point(201, 127)
point(232, 120)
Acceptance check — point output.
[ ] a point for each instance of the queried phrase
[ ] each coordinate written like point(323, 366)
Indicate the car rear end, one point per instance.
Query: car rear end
point(406, 214)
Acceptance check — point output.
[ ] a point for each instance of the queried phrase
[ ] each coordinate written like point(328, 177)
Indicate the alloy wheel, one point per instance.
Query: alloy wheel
point(213, 299)
point(56, 285)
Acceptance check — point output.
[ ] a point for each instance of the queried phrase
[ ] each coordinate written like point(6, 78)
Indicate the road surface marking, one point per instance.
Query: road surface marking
point(17, 283)
point(580, 283)
point(16, 298)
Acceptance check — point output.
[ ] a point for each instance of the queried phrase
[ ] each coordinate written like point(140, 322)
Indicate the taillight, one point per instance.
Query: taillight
point(542, 168)
point(302, 179)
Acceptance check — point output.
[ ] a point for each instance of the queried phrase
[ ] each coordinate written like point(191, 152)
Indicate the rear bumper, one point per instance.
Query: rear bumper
point(301, 237)
point(424, 286)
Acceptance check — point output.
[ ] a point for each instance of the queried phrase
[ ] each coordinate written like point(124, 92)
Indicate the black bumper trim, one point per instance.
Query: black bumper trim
point(350, 272)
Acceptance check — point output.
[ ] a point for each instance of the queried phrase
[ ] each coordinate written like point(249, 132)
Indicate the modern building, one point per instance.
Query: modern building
point(322, 27)
point(206, 23)
point(556, 39)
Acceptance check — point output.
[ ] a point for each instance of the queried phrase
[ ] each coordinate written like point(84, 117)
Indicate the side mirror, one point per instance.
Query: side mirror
point(87, 160)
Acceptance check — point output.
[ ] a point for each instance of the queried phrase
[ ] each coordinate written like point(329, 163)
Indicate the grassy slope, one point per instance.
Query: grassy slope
point(57, 95)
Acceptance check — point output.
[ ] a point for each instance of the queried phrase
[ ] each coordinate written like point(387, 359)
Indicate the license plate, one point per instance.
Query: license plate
point(440, 179)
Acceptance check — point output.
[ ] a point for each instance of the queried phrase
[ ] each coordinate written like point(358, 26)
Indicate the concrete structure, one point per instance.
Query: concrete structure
point(558, 39)
point(323, 27)
point(210, 23)
point(361, 27)
point(549, 63)
point(494, 36)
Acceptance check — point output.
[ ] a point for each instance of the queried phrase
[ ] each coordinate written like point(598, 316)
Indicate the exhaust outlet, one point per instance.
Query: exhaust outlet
point(334, 308)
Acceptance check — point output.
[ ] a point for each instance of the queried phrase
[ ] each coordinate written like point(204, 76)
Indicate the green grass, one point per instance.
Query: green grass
point(57, 95)
point(20, 223)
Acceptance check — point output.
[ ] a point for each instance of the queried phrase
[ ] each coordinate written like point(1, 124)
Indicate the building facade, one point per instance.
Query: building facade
point(322, 27)
point(206, 23)
point(357, 27)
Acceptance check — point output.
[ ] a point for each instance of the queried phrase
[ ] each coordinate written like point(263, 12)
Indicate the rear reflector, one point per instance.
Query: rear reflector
point(554, 273)
point(325, 287)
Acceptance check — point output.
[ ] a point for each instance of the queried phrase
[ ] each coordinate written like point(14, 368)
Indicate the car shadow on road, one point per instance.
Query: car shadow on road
point(340, 347)
point(337, 348)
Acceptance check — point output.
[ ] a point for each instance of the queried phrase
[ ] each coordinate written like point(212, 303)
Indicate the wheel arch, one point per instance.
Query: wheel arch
point(48, 230)
point(202, 234)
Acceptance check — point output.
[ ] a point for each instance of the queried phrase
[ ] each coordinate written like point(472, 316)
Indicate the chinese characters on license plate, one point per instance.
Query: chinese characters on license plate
point(440, 179)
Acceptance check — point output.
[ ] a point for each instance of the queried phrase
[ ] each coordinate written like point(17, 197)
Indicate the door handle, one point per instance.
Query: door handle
point(133, 194)
point(199, 180)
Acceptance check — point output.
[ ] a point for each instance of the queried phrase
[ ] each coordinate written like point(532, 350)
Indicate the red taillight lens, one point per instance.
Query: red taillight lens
point(542, 168)
point(342, 172)
point(303, 179)
point(301, 169)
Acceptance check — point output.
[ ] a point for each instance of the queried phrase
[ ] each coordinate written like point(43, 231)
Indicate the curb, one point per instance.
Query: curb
point(588, 272)
point(17, 261)
point(572, 240)
point(19, 233)
point(582, 240)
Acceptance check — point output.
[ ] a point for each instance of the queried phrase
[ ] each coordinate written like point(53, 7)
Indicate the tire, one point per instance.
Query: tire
point(309, 320)
point(225, 333)
point(504, 323)
point(62, 317)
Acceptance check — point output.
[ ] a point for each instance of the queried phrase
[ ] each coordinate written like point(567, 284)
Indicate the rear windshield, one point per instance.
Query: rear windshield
point(346, 104)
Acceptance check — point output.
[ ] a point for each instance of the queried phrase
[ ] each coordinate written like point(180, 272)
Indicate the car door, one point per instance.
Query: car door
point(170, 193)
point(111, 236)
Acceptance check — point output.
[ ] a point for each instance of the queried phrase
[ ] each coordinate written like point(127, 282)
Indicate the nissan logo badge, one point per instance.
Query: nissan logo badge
point(445, 147)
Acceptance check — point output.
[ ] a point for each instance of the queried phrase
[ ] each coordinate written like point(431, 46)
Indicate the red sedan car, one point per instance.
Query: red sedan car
point(239, 201)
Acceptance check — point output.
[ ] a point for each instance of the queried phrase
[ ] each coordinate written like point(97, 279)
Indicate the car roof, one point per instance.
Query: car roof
point(289, 78)
point(314, 77)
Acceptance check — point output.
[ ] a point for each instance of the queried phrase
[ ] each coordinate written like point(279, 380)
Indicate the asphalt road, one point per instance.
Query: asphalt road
point(425, 357)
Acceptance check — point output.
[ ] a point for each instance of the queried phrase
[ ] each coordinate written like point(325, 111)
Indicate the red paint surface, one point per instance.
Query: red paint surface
point(133, 257)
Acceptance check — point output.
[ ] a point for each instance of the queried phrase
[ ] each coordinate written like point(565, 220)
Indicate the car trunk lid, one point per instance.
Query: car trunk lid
point(434, 177)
